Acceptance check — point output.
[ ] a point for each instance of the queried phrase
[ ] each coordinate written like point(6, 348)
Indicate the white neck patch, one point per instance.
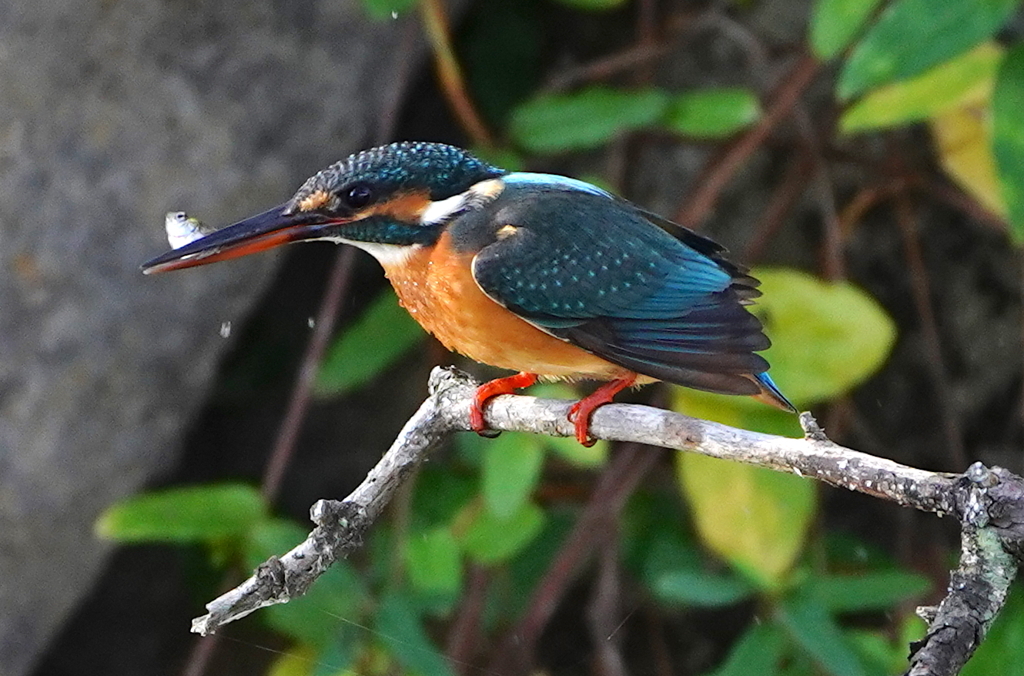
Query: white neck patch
point(476, 196)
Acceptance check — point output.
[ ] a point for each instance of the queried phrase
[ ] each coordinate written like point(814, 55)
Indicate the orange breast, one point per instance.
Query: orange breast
point(436, 286)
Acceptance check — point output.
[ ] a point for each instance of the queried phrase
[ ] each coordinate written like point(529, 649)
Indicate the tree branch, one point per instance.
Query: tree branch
point(989, 503)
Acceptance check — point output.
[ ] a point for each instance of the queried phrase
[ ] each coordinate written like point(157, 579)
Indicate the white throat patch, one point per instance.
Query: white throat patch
point(387, 255)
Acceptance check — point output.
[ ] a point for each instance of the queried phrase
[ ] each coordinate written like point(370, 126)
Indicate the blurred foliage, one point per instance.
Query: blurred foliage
point(731, 535)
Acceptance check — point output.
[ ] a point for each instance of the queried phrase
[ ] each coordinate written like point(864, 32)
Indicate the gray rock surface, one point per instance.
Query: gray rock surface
point(111, 114)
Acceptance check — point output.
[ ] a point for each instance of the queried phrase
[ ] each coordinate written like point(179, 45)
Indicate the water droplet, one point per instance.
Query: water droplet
point(394, 14)
point(225, 329)
point(311, 322)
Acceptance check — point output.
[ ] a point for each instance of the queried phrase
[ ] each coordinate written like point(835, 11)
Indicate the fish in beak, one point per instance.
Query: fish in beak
point(258, 233)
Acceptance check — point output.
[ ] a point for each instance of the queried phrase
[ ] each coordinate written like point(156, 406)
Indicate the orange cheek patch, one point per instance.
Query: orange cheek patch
point(405, 208)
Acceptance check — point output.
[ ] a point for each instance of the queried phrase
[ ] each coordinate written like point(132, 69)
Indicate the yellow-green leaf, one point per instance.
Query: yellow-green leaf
point(754, 518)
point(300, 660)
point(967, 78)
point(827, 337)
point(1008, 137)
point(963, 140)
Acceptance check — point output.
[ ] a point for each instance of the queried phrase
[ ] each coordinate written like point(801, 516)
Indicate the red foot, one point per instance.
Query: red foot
point(492, 389)
point(581, 411)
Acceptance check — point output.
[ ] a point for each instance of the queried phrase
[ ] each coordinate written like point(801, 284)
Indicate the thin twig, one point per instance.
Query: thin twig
point(789, 190)
point(604, 616)
point(702, 199)
point(302, 392)
point(464, 637)
point(617, 482)
point(435, 23)
point(921, 288)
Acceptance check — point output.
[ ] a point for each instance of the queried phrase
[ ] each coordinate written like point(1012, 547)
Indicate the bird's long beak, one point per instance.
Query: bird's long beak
point(257, 233)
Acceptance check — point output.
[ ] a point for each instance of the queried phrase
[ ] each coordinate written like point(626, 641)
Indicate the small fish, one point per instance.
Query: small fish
point(183, 229)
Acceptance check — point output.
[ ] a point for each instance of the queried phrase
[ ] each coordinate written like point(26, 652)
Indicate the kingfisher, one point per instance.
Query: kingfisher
point(541, 274)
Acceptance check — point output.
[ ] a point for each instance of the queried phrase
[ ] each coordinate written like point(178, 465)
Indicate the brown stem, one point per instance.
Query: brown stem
point(435, 23)
point(789, 190)
point(617, 482)
point(464, 636)
point(921, 287)
point(702, 200)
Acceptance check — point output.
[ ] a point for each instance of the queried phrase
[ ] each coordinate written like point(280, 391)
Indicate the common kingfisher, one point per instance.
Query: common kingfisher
point(537, 273)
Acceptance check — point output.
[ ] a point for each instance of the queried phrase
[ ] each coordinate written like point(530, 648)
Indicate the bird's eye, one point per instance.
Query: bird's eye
point(358, 196)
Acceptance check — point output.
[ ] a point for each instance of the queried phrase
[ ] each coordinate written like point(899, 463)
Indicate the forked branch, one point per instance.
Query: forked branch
point(989, 503)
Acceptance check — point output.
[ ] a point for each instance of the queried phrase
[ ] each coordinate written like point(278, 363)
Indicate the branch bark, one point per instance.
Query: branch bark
point(988, 502)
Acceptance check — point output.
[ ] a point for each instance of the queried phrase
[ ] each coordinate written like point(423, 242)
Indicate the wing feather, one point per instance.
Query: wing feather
point(628, 286)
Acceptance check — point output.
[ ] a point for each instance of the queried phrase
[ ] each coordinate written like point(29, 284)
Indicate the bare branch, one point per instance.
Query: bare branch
point(989, 503)
point(978, 587)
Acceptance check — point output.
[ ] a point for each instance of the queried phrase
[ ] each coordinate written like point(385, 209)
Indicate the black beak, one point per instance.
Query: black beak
point(258, 233)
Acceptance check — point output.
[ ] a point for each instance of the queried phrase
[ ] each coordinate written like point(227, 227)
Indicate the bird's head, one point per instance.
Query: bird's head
point(381, 199)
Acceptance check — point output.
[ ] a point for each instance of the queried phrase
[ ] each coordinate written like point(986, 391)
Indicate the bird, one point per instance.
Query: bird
point(545, 275)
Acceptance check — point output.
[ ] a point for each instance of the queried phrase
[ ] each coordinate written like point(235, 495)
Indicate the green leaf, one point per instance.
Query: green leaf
point(511, 469)
point(866, 591)
point(880, 654)
point(754, 518)
point(1008, 137)
point(653, 541)
point(967, 77)
point(321, 617)
point(813, 629)
point(696, 587)
point(713, 113)
point(911, 36)
point(489, 539)
point(399, 628)
point(758, 652)
point(382, 335)
point(585, 119)
point(440, 493)
point(433, 562)
point(1002, 651)
point(835, 23)
point(386, 9)
point(193, 514)
point(521, 575)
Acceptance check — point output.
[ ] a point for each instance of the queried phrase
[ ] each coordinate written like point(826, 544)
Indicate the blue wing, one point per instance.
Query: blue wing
point(640, 292)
